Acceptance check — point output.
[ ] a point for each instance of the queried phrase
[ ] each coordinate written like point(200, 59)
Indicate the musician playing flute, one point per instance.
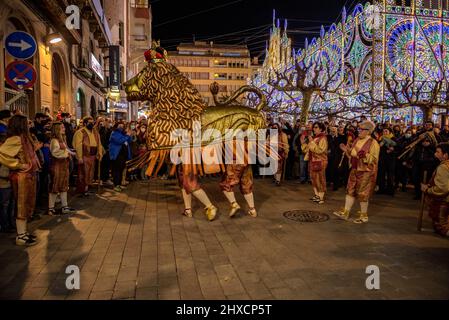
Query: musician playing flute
point(364, 158)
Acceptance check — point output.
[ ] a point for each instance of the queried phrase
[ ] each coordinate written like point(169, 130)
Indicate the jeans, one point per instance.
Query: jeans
point(6, 209)
point(303, 168)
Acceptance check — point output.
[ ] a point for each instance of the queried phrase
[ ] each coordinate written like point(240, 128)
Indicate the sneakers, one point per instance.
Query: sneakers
point(252, 212)
point(342, 214)
point(117, 189)
point(319, 201)
point(314, 198)
point(25, 239)
point(211, 213)
point(68, 210)
point(51, 212)
point(234, 209)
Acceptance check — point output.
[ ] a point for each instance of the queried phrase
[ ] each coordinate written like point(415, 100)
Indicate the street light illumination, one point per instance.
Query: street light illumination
point(54, 38)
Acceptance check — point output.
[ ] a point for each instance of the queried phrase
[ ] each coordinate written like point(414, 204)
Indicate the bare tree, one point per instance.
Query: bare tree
point(409, 92)
point(311, 77)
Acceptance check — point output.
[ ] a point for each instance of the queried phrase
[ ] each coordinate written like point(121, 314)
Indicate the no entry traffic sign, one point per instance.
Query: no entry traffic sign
point(20, 45)
point(20, 75)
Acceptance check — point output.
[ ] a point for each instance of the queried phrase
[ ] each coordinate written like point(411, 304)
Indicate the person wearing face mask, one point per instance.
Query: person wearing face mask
point(105, 165)
point(69, 132)
point(141, 135)
point(87, 144)
point(403, 172)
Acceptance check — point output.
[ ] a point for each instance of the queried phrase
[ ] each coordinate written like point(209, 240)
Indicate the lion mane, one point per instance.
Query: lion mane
point(176, 103)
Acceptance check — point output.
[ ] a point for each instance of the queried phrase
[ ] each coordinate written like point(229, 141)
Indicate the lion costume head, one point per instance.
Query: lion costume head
point(175, 103)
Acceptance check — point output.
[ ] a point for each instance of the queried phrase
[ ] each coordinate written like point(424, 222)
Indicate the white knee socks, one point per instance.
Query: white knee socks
point(187, 199)
point(230, 196)
point(64, 202)
point(250, 200)
point(52, 199)
point(21, 226)
point(364, 207)
point(349, 203)
point(203, 198)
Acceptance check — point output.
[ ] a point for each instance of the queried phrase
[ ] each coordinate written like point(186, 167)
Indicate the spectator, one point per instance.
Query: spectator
point(387, 162)
point(120, 152)
point(7, 224)
point(19, 154)
point(5, 115)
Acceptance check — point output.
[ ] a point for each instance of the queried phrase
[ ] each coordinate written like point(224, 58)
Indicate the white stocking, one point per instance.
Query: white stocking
point(230, 196)
point(64, 202)
point(349, 203)
point(187, 199)
point(250, 200)
point(51, 200)
point(21, 226)
point(364, 207)
point(203, 198)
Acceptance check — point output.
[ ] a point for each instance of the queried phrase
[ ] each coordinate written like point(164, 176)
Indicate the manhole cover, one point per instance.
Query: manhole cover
point(306, 216)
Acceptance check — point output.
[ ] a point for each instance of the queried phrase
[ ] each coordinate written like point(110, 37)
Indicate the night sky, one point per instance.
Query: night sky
point(174, 22)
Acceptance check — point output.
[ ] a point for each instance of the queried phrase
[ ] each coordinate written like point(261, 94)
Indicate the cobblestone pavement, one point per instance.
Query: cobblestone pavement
point(137, 245)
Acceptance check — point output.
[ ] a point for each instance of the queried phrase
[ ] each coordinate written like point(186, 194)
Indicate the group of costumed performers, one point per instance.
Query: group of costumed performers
point(362, 154)
point(234, 175)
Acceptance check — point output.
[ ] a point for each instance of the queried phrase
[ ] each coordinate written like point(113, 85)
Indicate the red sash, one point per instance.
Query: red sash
point(366, 148)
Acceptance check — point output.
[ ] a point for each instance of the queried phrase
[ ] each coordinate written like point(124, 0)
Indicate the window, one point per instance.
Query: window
point(139, 3)
point(221, 76)
point(121, 28)
point(139, 32)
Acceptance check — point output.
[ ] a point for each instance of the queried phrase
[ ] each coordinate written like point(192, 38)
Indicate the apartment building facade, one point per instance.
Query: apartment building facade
point(205, 62)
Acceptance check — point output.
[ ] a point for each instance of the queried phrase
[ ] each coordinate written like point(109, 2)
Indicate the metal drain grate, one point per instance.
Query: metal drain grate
point(306, 216)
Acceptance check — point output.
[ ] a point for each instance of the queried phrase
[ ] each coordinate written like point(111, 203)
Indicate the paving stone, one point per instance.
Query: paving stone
point(136, 245)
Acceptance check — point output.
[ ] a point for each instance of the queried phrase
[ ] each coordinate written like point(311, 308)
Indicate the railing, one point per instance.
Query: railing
point(16, 100)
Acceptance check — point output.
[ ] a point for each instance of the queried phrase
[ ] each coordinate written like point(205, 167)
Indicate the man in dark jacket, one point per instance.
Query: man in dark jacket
point(105, 136)
point(423, 161)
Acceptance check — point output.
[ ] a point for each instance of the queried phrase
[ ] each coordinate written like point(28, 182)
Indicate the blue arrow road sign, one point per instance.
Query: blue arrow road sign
point(20, 45)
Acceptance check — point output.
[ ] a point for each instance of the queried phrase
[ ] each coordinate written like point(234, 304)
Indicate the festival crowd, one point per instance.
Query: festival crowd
point(41, 159)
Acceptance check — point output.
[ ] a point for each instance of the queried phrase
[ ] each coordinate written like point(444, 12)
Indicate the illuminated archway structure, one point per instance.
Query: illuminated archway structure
point(375, 42)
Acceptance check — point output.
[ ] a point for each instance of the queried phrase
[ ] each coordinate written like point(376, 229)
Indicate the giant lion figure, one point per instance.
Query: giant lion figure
point(176, 104)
